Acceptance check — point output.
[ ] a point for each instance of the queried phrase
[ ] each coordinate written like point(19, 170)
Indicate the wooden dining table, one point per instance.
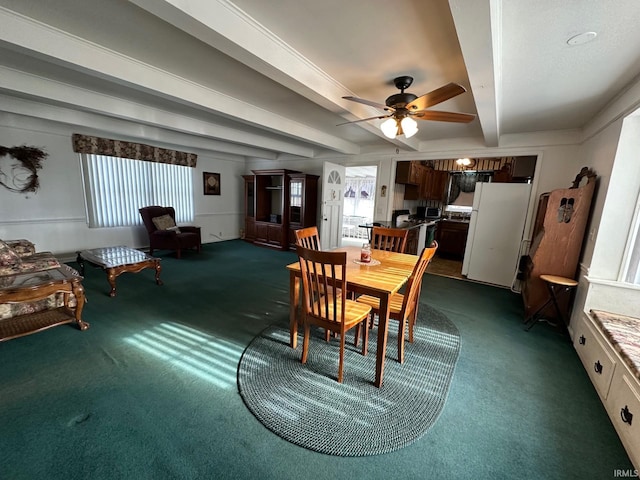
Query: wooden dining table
point(383, 277)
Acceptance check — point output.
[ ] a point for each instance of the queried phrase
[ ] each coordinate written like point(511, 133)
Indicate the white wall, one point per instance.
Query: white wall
point(54, 216)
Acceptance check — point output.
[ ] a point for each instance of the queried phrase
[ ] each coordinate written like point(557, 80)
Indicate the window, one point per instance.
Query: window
point(115, 188)
point(296, 194)
point(633, 266)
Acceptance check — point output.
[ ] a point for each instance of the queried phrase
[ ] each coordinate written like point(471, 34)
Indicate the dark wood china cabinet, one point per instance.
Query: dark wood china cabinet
point(277, 202)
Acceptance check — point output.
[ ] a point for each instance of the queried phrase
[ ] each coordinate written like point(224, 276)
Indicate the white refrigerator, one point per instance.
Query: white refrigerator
point(495, 233)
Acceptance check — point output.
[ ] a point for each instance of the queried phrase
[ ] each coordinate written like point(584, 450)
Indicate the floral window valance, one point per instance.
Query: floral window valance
point(136, 151)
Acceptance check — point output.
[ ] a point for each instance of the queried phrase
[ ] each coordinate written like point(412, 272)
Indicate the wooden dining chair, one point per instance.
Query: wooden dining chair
point(308, 238)
point(324, 300)
point(404, 307)
point(389, 239)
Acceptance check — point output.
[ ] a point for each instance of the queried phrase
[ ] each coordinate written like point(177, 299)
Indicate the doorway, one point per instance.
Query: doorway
point(359, 204)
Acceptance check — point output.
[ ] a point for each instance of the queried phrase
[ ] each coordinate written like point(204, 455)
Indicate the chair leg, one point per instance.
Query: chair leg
point(365, 336)
point(179, 253)
point(412, 322)
point(305, 342)
point(402, 325)
point(341, 365)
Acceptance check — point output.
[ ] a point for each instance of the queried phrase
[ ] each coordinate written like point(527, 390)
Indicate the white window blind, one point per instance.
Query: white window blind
point(115, 188)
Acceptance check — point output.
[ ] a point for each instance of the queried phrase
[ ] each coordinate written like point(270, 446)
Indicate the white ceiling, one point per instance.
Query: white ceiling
point(265, 78)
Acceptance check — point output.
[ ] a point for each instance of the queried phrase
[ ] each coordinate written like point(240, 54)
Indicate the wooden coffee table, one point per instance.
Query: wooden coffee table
point(117, 260)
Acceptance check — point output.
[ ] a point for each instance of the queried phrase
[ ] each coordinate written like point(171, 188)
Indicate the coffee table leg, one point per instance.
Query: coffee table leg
point(111, 277)
point(78, 292)
point(158, 268)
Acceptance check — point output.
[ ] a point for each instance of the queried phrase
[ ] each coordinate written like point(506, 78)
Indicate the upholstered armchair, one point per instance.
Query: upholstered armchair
point(160, 223)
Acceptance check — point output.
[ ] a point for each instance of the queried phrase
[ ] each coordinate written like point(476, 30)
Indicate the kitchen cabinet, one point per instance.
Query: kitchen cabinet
point(433, 184)
point(451, 236)
point(421, 183)
point(409, 173)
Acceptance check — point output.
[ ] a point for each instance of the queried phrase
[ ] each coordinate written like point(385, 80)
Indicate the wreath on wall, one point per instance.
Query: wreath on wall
point(22, 175)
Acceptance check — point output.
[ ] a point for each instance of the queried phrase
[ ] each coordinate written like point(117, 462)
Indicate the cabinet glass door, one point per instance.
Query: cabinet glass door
point(295, 201)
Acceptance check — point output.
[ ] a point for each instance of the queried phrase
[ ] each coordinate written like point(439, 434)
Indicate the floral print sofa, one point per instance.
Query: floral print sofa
point(17, 257)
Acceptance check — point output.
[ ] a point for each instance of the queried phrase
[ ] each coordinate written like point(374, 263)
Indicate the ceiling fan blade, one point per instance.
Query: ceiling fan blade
point(370, 103)
point(439, 116)
point(365, 119)
point(436, 96)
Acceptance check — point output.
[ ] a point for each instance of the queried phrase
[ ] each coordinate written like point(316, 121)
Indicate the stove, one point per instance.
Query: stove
point(399, 216)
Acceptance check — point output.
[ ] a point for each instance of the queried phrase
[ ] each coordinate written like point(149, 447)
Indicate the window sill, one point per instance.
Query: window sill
point(613, 283)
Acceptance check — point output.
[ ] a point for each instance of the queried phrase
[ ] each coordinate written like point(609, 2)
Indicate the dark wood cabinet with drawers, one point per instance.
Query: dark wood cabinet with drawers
point(451, 236)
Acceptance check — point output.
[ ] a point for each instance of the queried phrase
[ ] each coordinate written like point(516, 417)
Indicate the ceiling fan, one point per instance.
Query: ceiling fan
point(404, 107)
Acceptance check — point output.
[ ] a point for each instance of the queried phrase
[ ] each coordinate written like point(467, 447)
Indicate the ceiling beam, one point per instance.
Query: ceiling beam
point(98, 124)
point(38, 39)
point(71, 96)
point(225, 27)
point(478, 26)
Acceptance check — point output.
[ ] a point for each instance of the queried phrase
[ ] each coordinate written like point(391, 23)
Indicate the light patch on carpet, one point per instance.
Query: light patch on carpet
point(208, 357)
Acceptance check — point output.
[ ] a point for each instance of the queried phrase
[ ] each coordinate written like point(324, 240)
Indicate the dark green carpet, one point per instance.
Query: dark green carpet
point(128, 399)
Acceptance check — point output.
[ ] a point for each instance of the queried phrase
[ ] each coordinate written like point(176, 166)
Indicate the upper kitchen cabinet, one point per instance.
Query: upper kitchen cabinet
point(421, 182)
point(434, 184)
point(516, 170)
point(409, 173)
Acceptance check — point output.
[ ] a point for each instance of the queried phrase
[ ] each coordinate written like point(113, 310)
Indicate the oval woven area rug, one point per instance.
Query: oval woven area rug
point(305, 405)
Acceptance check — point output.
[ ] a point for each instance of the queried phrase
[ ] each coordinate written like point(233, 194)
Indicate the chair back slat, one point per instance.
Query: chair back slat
point(324, 283)
point(415, 280)
point(308, 238)
point(389, 239)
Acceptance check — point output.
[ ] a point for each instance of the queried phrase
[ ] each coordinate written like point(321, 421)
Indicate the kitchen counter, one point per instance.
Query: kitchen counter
point(404, 225)
point(455, 220)
point(417, 236)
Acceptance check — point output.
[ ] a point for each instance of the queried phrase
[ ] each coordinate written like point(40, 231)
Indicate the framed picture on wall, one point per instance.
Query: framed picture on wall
point(211, 183)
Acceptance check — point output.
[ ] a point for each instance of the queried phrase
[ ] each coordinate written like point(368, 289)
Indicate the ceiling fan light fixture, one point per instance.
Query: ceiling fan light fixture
point(409, 127)
point(400, 106)
point(389, 127)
